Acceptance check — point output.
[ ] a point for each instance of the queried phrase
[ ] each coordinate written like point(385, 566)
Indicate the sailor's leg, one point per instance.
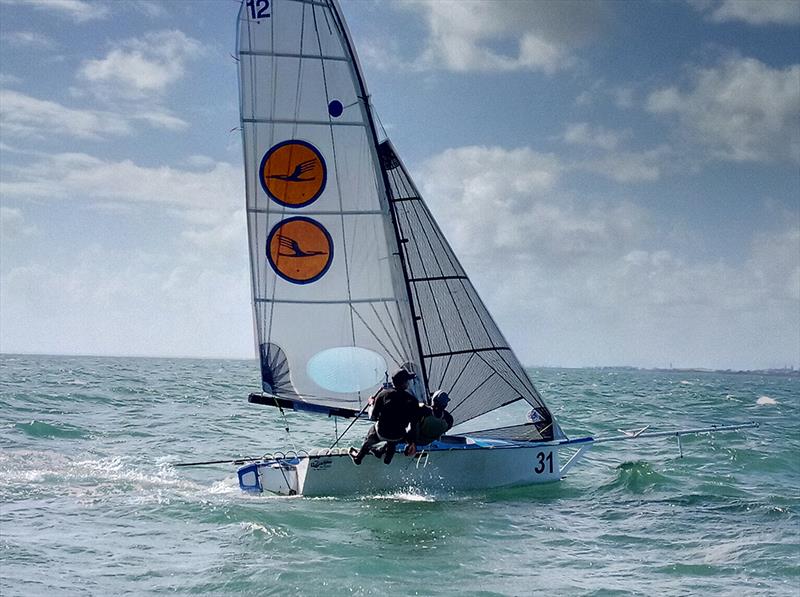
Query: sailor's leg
point(389, 451)
point(370, 440)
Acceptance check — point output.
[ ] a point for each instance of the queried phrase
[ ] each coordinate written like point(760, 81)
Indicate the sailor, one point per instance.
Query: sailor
point(394, 410)
point(435, 421)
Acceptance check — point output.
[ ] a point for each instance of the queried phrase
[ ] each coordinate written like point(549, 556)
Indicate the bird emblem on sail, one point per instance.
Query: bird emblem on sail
point(293, 173)
point(294, 248)
point(296, 174)
point(300, 250)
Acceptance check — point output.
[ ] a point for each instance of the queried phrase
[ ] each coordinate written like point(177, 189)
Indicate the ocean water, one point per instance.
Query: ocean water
point(90, 504)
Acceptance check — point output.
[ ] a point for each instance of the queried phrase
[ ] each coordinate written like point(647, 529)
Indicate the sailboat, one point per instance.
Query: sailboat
point(352, 279)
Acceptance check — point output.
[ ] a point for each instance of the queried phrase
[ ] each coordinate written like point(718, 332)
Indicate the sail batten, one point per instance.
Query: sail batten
point(326, 302)
point(324, 123)
point(309, 212)
point(293, 55)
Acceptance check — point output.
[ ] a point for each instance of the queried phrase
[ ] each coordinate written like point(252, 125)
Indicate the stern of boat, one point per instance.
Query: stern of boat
point(278, 476)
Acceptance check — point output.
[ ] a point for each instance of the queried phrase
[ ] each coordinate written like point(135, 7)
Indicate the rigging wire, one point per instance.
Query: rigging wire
point(366, 404)
point(380, 124)
point(286, 426)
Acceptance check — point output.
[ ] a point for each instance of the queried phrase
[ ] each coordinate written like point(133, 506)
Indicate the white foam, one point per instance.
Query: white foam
point(254, 527)
point(766, 400)
point(410, 495)
point(101, 478)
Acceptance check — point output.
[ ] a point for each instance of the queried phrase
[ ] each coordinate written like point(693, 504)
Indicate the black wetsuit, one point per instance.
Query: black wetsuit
point(393, 411)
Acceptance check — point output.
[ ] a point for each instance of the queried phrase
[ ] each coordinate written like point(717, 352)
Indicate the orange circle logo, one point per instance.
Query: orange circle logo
point(300, 250)
point(293, 173)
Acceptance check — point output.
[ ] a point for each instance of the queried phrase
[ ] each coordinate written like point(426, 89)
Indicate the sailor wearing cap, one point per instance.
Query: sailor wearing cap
point(394, 411)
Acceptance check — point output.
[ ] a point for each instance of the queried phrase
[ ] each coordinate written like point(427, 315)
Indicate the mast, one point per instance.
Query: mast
point(337, 12)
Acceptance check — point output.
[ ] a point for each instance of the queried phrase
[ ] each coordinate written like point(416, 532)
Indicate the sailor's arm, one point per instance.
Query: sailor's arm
point(376, 407)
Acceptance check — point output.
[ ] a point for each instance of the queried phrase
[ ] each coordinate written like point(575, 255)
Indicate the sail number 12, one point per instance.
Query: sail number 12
point(258, 9)
point(541, 459)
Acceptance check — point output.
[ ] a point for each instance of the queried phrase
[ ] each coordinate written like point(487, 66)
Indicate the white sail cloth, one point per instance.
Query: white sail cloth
point(331, 307)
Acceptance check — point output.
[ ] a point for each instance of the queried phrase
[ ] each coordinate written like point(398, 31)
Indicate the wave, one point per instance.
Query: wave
point(637, 477)
point(42, 430)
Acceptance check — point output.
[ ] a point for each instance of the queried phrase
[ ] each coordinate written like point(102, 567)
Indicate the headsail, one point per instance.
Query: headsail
point(463, 350)
point(330, 300)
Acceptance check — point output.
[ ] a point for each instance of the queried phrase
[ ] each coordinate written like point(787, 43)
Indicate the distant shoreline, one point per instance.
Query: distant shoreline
point(783, 371)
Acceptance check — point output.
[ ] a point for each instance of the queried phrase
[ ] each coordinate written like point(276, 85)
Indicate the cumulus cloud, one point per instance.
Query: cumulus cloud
point(6, 79)
point(609, 159)
point(752, 12)
point(161, 118)
point(80, 176)
point(13, 224)
point(582, 133)
point(595, 274)
point(149, 8)
point(108, 301)
point(621, 96)
point(742, 110)
point(511, 201)
point(28, 39)
point(193, 281)
point(222, 236)
point(628, 166)
point(496, 36)
point(26, 117)
point(139, 68)
point(77, 10)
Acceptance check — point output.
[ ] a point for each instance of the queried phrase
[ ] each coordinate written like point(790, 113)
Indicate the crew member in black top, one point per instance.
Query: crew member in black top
point(393, 410)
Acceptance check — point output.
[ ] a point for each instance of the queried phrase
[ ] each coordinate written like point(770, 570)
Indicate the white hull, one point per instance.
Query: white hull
point(436, 470)
point(472, 464)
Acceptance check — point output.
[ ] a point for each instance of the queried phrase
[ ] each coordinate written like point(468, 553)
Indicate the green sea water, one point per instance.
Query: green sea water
point(90, 504)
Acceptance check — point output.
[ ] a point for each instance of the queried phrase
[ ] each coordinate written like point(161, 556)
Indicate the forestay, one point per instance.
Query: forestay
point(331, 303)
point(464, 351)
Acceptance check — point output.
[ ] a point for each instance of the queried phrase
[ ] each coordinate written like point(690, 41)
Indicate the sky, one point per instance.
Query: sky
point(619, 179)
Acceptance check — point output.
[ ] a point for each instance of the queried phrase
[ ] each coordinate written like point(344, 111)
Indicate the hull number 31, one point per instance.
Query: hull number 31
point(258, 9)
point(544, 461)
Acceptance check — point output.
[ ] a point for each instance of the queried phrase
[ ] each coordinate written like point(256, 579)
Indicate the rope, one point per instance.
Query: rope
point(286, 425)
point(356, 418)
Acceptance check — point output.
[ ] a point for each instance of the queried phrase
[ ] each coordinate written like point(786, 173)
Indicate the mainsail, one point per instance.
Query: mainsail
point(331, 305)
point(351, 276)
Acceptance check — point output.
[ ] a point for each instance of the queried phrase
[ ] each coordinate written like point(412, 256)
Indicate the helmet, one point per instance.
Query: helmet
point(440, 398)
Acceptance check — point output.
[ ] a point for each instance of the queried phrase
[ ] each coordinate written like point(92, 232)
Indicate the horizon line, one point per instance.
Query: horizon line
point(787, 367)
